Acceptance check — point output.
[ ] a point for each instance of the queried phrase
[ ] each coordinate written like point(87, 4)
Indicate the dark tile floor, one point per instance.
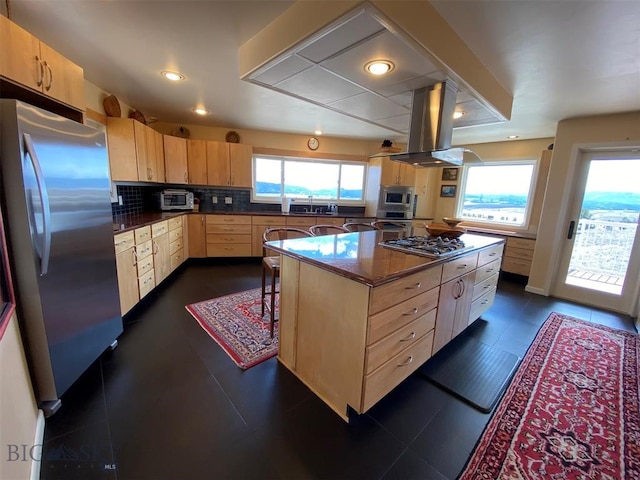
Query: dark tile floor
point(169, 404)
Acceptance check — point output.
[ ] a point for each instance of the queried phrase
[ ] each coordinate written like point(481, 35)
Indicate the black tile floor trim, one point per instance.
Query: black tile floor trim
point(168, 403)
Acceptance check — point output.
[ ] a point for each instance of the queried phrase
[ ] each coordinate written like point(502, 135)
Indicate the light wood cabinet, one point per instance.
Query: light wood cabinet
point(136, 152)
point(175, 159)
point(144, 254)
point(161, 256)
point(518, 255)
point(229, 164)
point(228, 235)
point(197, 161)
point(126, 265)
point(197, 244)
point(33, 64)
point(259, 224)
point(454, 307)
point(176, 241)
point(397, 173)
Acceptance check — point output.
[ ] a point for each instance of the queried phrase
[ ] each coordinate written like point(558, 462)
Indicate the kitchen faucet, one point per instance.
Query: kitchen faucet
point(310, 197)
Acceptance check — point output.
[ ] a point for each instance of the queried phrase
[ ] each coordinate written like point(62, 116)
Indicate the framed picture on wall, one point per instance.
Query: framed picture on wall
point(449, 174)
point(448, 190)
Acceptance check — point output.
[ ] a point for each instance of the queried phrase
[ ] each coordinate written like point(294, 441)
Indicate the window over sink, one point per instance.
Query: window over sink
point(327, 180)
point(497, 193)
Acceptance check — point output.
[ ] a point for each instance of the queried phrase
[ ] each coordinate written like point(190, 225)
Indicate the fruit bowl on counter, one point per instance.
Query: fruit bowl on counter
point(452, 222)
point(443, 230)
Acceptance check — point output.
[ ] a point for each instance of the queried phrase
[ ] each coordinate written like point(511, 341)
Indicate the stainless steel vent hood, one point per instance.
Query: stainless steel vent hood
point(431, 128)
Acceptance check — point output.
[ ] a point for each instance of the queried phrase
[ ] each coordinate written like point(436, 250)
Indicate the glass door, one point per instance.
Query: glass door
point(601, 258)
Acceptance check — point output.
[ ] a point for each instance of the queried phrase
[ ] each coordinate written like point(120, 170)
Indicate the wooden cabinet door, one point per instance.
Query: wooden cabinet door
point(218, 163)
point(240, 157)
point(197, 161)
point(389, 172)
point(63, 79)
point(406, 175)
point(161, 257)
point(454, 307)
point(19, 54)
point(145, 169)
point(175, 159)
point(127, 279)
point(196, 236)
point(122, 149)
point(159, 156)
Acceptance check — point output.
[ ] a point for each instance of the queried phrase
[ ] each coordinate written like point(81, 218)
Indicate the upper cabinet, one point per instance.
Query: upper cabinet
point(136, 151)
point(229, 164)
point(31, 63)
point(175, 159)
point(396, 173)
point(197, 161)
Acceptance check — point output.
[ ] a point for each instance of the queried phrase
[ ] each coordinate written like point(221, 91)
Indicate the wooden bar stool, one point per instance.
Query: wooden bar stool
point(359, 227)
point(317, 230)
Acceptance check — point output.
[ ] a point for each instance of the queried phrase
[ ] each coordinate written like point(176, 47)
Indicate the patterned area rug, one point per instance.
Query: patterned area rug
point(571, 411)
point(234, 322)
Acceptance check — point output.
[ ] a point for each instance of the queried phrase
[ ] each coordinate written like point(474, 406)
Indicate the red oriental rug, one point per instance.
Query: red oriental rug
point(572, 410)
point(235, 323)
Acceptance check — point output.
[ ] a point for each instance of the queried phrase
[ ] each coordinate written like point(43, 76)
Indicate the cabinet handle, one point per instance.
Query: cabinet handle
point(41, 65)
point(489, 270)
point(406, 362)
point(412, 312)
point(484, 302)
point(413, 287)
point(155, 247)
point(202, 219)
point(460, 267)
point(492, 254)
point(463, 287)
point(134, 257)
point(409, 338)
point(48, 87)
point(186, 178)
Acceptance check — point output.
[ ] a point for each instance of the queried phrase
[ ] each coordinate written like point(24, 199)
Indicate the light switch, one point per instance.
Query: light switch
point(214, 199)
point(228, 200)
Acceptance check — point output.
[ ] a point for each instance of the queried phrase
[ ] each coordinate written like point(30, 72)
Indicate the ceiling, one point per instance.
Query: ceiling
point(559, 59)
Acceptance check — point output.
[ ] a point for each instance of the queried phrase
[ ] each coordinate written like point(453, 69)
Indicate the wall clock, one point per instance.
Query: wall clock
point(313, 143)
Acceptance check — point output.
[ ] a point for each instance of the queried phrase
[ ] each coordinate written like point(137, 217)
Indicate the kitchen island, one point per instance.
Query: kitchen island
point(356, 318)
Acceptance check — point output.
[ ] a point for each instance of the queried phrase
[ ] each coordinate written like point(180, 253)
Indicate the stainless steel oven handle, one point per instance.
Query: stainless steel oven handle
point(44, 201)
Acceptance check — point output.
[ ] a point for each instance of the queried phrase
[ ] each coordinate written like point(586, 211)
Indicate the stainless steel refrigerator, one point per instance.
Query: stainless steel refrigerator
point(55, 196)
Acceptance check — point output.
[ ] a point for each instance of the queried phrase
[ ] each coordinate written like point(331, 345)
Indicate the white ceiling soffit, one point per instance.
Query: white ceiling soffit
point(326, 67)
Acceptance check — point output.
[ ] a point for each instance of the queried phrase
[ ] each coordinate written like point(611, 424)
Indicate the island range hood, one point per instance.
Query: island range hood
point(431, 128)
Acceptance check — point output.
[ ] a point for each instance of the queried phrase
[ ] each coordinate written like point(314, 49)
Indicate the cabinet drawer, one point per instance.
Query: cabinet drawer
point(175, 246)
point(300, 221)
point(224, 250)
point(386, 321)
point(123, 241)
point(490, 254)
point(520, 253)
point(382, 351)
point(458, 267)
point(175, 223)
point(481, 304)
point(146, 283)
point(398, 291)
point(526, 243)
point(231, 228)
point(515, 265)
point(176, 259)
point(175, 235)
point(228, 238)
point(389, 375)
point(142, 234)
point(268, 220)
point(143, 250)
point(328, 220)
point(485, 271)
point(228, 220)
point(159, 228)
point(482, 287)
point(145, 265)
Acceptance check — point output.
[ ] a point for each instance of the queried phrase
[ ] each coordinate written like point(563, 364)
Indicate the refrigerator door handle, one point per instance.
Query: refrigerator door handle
point(44, 200)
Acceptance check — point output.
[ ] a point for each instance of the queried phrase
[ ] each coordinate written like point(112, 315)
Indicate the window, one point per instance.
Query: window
point(498, 193)
point(328, 180)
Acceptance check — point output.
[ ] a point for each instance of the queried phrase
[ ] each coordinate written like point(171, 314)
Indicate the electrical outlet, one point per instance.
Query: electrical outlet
point(214, 199)
point(120, 200)
point(228, 200)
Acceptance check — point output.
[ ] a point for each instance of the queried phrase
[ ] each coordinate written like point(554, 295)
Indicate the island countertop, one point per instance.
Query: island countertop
point(359, 256)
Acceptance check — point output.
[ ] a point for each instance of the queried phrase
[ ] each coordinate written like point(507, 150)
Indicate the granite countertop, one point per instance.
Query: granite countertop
point(359, 257)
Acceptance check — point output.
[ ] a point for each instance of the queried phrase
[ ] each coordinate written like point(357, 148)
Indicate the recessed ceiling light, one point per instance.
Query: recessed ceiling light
point(511, 137)
point(318, 132)
point(201, 111)
point(173, 76)
point(457, 114)
point(379, 67)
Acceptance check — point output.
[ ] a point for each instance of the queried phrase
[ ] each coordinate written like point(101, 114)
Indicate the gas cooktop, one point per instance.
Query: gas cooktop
point(432, 247)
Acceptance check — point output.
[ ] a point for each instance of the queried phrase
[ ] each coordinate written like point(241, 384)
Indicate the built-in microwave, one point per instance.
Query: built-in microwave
point(395, 197)
point(176, 200)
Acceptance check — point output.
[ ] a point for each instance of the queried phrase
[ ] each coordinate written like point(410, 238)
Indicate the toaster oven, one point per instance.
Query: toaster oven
point(176, 200)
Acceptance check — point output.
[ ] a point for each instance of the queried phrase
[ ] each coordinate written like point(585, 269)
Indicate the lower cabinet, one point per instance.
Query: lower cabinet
point(518, 255)
point(124, 244)
point(259, 224)
point(196, 226)
point(454, 306)
point(228, 235)
point(144, 255)
point(176, 242)
point(161, 257)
